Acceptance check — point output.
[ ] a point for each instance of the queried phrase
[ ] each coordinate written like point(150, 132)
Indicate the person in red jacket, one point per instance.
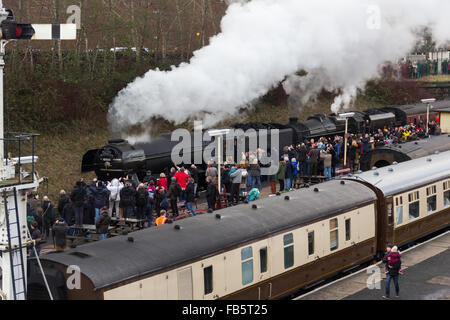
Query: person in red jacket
point(182, 177)
point(162, 181)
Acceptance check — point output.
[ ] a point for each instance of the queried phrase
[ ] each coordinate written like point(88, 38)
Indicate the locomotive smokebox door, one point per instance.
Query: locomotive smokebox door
point(88, 163)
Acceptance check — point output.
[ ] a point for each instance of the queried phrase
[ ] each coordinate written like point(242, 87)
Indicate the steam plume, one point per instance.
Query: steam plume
point(263, 41)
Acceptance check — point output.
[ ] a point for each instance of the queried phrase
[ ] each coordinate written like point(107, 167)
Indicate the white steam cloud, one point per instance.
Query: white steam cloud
point(341, 43)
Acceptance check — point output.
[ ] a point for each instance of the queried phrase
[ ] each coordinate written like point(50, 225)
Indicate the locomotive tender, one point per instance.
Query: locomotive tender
point(266, 251)
point(120, 157)
point(387, 155)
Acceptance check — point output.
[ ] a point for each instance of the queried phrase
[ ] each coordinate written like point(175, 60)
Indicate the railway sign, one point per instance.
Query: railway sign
point(11, 30)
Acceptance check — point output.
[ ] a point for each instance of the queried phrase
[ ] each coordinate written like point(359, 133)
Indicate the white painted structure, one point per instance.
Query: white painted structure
point(14, 234)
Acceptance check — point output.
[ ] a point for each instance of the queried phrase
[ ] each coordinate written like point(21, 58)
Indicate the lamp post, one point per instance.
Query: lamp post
point(346, 116)
point(219, 133)
point(428, 102)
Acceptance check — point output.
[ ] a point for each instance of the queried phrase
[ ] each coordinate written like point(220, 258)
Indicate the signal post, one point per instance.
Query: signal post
point(15, 182)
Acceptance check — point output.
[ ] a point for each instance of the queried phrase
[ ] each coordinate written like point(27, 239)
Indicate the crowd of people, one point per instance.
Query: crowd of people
point(415, 69)
point(322, 157)
point(123, 198)
point(157, 198)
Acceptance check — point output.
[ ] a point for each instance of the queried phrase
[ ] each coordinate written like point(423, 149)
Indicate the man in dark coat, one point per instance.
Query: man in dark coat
point(32, 216)
point(292, 153)
point(161, 202)
point(35, 235)
point(148, 177)
point(141, 204)
point(281, 173)
point(366, 144)
point(302, 157)
point(211, 194)
point(173, 193)
point(89, 211)
point(288, 175)
point(48, 216)
point(69, 213)
point(132, 181)
point(60, 229)
point(103, 223)
point(63, 200)
point(127, 199)
point(77, 196)
point(194, 175)
point(190, 196)
point(101, 197)
point(225, 178)
point(314, 156)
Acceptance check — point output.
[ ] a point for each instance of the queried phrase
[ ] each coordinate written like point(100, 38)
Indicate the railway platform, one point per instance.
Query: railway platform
point(426, 277)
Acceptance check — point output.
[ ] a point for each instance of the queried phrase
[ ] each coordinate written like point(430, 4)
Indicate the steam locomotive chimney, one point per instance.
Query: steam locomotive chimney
point(293, 120)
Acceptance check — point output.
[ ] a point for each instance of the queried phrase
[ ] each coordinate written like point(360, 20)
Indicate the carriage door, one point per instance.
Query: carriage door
point(390, 221)
point(185, 284)
point(263, 269)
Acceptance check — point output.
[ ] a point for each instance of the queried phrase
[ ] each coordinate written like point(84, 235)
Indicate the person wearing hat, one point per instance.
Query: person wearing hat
point(211, 193)
point(60, 229)
point(48, 216)
point(148, 177)
point(393, 271)
point(36, 236)
point(103, 222)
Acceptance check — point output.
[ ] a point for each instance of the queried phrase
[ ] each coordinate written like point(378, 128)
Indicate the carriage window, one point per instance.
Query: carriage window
point(431, 190)
point(447, 198)
point(263, 260)
point(247, 265)
point(389, 213)
point(208, 279)
point(431, 204)
point(288, 241)
point(311, 243)
point(447, 193)
point(431, 199)
point(334, 243)
point(399, 215)
point(348, 234)
point(413, 196)
point(414, 205)
point(413, 210)
point(446, 185)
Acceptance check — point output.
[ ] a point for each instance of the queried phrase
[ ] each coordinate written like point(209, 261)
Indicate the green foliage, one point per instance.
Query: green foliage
point(393, 92)
point(45, 96)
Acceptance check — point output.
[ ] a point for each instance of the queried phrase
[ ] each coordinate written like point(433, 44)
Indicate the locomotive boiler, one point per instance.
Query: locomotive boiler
point(120, 157)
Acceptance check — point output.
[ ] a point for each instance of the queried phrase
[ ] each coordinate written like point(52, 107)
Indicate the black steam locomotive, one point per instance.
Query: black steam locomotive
point(120, 157)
